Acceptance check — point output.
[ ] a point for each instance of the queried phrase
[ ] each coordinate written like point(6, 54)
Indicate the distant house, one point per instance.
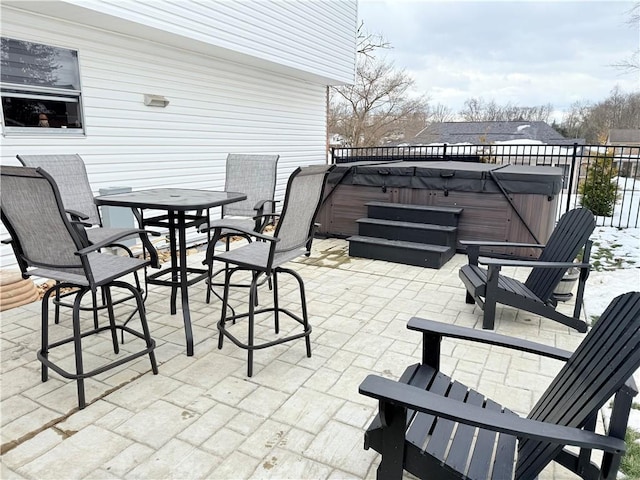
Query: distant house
point(624, 136)
point(626, 149)
point(156, 93)
point(489, 132)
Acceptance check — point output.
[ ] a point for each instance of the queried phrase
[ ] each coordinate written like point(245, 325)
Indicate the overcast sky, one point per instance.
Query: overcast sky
point(524, 52)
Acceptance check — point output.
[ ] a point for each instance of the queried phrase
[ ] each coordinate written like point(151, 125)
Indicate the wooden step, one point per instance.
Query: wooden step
point(398, 251)
point(404, 212)
point(408, 231)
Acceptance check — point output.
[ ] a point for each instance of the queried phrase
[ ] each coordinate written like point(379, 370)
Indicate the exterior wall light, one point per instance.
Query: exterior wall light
point(155, 100)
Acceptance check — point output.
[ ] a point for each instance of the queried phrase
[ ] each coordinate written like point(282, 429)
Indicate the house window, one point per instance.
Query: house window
point(40, 89)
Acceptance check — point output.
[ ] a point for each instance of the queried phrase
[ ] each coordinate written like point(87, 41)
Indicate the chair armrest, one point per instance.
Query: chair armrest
point(76, 215)
point(260, 205)
point(481, 243)
point(144, 237)
point(244, 231)
point(264, 219)
point(530, 263)
point(473, 247)
point(408, 396)
point(484, 336)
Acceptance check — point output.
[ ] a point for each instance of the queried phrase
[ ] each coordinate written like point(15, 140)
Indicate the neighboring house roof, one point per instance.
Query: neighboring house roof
point(624, 136)
point(489, 132)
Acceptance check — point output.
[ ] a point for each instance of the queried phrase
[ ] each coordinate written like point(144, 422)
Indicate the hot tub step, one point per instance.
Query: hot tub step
point(408, 231)
point(403, 212)
point(398, 251)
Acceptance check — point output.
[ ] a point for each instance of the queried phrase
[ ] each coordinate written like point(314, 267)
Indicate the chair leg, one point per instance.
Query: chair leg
point(77, 347)
point(44, 334)
point(493, 274)
point(145, 328)
point(210, 270)
point(57, 304)
point(276, 303)
point(305, 316)
point(106, 293)
point(94, 302)
point(303, 308)
point(253, 292)
point(469, 299)
point(393, 441)
point(223, 311)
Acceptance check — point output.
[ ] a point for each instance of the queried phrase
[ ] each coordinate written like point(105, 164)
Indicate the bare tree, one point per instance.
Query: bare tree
point(573, 124)
point(479, 110)
point(369, 42)
point(593, 122)
point(440, 113)
point(631, 64)
point(378, 106)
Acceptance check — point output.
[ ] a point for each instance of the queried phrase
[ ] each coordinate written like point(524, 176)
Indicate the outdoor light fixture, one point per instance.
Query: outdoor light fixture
point(155, 100)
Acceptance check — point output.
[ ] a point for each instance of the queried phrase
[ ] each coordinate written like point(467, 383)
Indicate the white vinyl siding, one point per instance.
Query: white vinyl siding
point(315, 36)
point(216, 107)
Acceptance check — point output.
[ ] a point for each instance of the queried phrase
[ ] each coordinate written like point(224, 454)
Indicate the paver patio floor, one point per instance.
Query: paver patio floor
point(297, 417)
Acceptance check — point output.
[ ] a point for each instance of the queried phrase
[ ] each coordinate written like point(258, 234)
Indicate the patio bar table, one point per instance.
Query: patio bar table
point(176, 202)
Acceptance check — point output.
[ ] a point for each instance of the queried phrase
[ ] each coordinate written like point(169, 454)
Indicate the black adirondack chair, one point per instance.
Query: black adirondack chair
point(435, 427)
point(486, 287)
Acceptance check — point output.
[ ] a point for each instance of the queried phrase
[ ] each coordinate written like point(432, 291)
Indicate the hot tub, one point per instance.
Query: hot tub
point(514, 203)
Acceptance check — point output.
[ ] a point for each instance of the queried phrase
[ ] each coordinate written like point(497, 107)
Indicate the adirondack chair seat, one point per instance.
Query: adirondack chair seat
point(435, 427)
point(487, 287)
point(475, 279)
point(426, 450)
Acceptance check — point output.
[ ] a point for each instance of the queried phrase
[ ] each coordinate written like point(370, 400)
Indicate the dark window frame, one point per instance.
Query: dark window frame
point(31, 92)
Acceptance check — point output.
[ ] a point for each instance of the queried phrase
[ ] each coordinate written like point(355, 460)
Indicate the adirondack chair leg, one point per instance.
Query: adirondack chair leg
point(470, 299)
point(431, 349)
point(584, 457)
point(489, 317)
point(584, 274)
point(617, 428)
point(394, 420)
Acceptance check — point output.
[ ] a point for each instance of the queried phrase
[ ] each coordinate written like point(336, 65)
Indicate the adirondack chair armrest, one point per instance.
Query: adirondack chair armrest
point(483, 336)
point(482, 243)
point(407, 396)
point(473, 247)
point(530, 263)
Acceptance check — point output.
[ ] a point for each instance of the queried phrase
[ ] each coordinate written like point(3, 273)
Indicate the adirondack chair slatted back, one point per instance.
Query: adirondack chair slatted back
point(301, 205)
point(253, 175)
point(32, 212)
point(568, 237)
point(604, 361)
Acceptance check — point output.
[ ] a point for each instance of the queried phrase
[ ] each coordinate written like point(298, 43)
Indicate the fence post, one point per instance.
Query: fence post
point(444, 152)
point(571, 173)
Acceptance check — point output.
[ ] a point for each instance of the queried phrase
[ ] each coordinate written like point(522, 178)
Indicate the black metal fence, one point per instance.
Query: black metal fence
point(589, 171)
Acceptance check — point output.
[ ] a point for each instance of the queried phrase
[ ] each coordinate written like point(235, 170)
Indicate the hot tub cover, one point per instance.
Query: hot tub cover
point(452, 176)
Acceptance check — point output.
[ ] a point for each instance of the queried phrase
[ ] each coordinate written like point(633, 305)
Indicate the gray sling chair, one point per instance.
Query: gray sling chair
point(435, 427)
point(486, 286)
point(266, 257)
point(48, 245)
point(255, 176)
point(70, 174)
